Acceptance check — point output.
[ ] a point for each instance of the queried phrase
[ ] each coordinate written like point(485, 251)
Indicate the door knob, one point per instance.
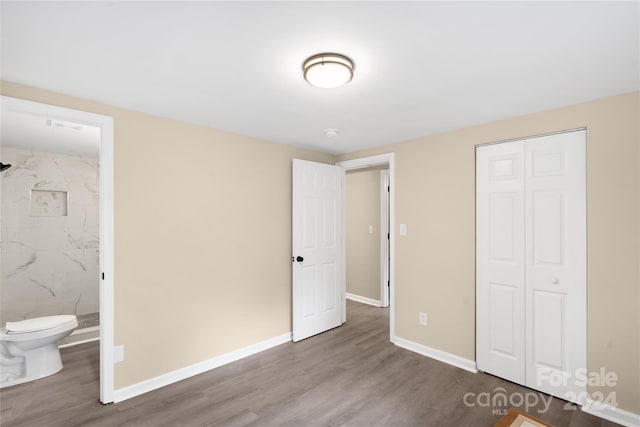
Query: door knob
point(299, 258)
point(554, 280)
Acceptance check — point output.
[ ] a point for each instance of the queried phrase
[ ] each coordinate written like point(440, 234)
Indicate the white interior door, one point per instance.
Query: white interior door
point(318, 253)
point(556, 300)
point(500, 260)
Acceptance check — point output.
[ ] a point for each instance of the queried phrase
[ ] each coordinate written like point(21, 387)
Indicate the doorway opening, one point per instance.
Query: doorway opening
point(386, 162)
point(59, 117)
point(367, 235)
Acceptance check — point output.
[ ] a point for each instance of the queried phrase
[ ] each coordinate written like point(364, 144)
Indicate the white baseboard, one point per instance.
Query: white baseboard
point(611, 413)
point(197, 368)
point(365, 300)
point(442, 356)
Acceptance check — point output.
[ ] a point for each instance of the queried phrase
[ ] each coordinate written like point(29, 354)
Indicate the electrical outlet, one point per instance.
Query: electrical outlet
point(423, 319)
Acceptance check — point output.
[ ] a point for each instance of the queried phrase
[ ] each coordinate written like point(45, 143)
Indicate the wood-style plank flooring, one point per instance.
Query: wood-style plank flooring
point(349, 376)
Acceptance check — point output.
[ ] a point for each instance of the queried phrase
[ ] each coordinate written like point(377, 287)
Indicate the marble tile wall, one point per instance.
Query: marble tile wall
point(50, 263)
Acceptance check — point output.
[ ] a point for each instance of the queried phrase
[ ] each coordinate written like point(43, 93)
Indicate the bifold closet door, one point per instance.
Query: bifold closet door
point(556, 264)
point(531, 262)
point(500, 260)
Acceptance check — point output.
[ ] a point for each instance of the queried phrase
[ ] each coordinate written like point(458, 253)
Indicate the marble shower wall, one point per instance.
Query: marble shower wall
point(50, 247)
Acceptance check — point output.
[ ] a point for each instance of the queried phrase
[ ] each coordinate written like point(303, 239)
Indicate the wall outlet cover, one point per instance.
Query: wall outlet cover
point(422, 318)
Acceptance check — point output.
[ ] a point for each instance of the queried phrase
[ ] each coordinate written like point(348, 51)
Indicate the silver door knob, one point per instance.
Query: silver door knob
point(554, 280)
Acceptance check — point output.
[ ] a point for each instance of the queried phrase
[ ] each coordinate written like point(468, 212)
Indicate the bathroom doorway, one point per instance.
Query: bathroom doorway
point(57, 221)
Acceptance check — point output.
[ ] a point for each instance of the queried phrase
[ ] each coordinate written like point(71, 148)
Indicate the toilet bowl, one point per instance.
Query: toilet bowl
point(29, 348)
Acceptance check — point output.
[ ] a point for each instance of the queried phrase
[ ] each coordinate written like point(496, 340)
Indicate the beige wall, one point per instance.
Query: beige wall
point(363, 249)
point(203, 220)
point(435, 270)
point(202, 238)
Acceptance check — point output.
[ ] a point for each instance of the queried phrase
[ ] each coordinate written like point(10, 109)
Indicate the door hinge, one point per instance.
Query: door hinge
point(388, 284)
point(388, 236)
point(102, 276)
point(388, 189)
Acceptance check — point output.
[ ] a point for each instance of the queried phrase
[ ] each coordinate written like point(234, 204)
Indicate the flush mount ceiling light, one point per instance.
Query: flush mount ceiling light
point(328, 70)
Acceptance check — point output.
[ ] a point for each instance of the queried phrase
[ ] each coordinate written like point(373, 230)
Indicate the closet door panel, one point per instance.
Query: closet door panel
point(555, 300)
point(548, 330)
point(549, 228)
point(500, 260)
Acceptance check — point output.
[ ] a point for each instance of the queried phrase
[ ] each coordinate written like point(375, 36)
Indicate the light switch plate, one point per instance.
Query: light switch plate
point(118, 354)
point(371, 229)
point(403, 229)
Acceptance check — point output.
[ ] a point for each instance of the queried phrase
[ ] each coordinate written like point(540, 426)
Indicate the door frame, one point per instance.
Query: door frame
point(384, 242)
point(105, 123)
point(386, 159)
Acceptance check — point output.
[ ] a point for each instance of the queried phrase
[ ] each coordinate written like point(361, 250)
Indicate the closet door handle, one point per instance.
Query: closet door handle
point(554, 280)
point(299, 258)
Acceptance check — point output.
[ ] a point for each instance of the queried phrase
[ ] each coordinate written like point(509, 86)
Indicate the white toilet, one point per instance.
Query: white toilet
point(29, 348)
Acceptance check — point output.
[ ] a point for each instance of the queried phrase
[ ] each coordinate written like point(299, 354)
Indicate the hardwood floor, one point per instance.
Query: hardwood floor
point(349, 376)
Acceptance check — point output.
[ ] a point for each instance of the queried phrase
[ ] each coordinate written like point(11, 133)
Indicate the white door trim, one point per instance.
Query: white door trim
point(381, 160)
point(105, 123)
point(384, 241)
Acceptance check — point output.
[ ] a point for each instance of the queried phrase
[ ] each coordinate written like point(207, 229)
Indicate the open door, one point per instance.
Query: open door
point(318, 253)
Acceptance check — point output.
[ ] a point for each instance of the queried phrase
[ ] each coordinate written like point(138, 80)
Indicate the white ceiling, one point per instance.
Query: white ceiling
point(39, 133)
point(421, 67)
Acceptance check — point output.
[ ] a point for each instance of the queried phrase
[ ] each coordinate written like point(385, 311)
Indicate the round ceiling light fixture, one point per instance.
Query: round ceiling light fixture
point(328, 70)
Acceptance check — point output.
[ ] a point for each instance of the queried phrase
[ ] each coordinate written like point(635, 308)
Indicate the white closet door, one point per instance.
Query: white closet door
point(500, 277)
point(555, 297)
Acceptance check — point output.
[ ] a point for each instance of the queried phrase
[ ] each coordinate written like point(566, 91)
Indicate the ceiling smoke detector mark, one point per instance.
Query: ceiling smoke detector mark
point(331, 133)
point(63, 124)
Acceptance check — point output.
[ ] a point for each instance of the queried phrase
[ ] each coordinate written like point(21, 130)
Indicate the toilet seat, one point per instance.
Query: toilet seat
point(39, 324)
point(54, 326)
